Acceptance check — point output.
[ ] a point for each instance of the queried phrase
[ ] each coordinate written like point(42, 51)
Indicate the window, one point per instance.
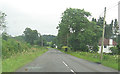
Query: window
point(105, 46)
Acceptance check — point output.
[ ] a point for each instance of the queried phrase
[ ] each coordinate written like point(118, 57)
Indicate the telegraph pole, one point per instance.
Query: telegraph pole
point(67, 39)
point(41, 41)
point(102, 43)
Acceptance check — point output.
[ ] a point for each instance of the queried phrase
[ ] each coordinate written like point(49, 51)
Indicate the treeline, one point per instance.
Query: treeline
point(22, 43)
point(111, 30)
point(49, 38)
point(81, 34)
point(12, 45)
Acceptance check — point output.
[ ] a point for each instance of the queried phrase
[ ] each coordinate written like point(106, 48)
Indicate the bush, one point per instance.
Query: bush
point(12, 46)
point(114, 50)
point(95, 48)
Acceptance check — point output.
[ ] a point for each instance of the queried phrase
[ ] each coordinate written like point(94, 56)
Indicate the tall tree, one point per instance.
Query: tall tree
point(76, 31)
point(30, 35)
point(116, 26)
point(109, 30)
point(2, 21)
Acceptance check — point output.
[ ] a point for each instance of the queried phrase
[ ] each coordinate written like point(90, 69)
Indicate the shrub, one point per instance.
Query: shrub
point(11, 47)
point(114, 50)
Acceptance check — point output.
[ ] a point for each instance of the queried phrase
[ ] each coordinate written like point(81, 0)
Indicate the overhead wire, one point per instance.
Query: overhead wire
point(109, 9)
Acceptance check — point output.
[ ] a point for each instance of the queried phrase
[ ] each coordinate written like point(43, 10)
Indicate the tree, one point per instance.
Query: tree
point(30, 35)
point(49, 38)
point(100, 22)
point(111, 30)
point(116, 26)
point(76, 31)
point(2, 21)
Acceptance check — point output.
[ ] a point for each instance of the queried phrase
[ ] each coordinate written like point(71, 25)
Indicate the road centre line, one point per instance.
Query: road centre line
point(65, 64)
point(69, 67)
point(72, 70)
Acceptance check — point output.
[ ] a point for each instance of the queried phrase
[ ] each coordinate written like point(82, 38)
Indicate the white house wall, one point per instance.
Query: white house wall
point(106, 50)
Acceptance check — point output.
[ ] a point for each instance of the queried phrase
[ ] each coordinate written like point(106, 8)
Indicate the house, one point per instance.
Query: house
point(108, 43)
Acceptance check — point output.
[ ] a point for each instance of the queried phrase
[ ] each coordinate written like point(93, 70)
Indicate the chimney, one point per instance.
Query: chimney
point(110, 41)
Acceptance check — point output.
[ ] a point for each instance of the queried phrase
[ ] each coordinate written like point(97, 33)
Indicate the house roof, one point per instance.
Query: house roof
point(106, 42)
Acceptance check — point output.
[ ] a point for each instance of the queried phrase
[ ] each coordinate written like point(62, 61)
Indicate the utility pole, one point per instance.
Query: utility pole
point(119, 19)
point(67, 39)
point(102, 43)
point(41, 41)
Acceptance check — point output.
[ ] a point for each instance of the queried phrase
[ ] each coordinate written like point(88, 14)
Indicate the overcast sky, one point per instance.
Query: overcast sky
point(44, 15)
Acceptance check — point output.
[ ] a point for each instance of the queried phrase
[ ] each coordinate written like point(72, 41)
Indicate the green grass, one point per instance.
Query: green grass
point(14, 62)
point(0, 66)
point(108, 60)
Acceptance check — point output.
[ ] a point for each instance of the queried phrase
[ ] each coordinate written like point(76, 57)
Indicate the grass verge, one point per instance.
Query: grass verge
point(14, 62)
point(108, 60)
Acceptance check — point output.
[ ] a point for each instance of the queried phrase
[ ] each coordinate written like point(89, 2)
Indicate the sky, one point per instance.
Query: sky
point(45, 15)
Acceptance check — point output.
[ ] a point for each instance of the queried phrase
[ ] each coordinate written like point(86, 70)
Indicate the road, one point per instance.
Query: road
point(56, 61)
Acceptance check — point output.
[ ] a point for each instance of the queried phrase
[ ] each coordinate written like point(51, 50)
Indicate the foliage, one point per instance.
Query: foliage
point(111, 30)
point(12, 46)
point(49, 38)
point(5, 36)
point(116, 26)
point(20, 38)
point(33, 37)
point(76, 31)
point(114, 50)
point(95, 48)
point(30, 35)
point(2, 21)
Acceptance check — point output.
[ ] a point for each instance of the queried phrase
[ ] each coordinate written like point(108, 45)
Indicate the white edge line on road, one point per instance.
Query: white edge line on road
point(65, 64)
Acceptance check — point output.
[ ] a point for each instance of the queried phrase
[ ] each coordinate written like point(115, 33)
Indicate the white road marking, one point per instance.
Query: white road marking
point(68, 67)
point(72, 70)
point(65, 64)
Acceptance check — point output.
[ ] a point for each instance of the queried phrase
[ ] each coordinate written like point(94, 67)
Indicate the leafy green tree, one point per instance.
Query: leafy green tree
point(30, 35)
point(100, 22)
point(111, 30)
point(76, 31)
point(116, 26)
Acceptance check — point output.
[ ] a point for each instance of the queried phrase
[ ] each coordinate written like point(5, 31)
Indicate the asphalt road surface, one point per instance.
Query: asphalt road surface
point(56, 61)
